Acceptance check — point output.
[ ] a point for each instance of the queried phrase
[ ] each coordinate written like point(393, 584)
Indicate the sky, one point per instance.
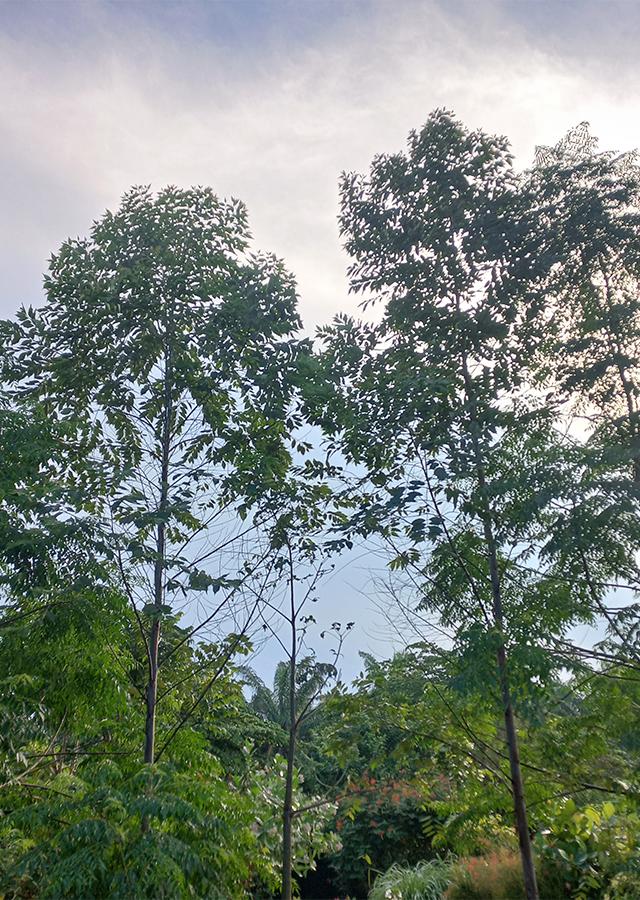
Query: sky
point(269, 102)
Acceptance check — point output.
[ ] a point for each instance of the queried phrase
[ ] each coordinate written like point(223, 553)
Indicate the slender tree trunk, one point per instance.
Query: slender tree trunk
point(517, 784)
point(158, 599)
point(154, 638)
point(158, 575)
point(152, 692)
point(287, 820)
point(515, 769)
point(287, 811)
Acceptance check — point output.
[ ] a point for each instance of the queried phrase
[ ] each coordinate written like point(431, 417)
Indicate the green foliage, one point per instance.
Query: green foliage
point(380, 822)
point(66, 652)
point(82, 835)
point(312, 817)
point(171, 346)
point(507, 530)
point(77, 799)
point(583, 854)
point(585, 737)
point(497, 875)
point(407, 714)
point(590, 202)
point(44, 539)
point(589, 315)
point(425, 881)
point(74, 795)
point(166, 274)
point(272, 706)
point(438, 390)
point(152, 403)
point(75, 680)
point(68, 672)
point(592, 847)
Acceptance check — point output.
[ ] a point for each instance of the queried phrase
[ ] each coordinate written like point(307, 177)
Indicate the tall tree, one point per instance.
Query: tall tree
point(431, 402)
point(588, 206)
point(304, 507)
point(173, 345)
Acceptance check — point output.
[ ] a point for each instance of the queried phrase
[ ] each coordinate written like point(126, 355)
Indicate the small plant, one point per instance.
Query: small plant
point(426, 881)
point(498, 876)
point(595, 849)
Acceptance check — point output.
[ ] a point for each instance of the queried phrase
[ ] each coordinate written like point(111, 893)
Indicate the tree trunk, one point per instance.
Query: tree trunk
point(154, 642)
point(517, 785)
point(287, 810)
point(152, 692)
point(287, 820)
point(515, 769)
point(158, 573)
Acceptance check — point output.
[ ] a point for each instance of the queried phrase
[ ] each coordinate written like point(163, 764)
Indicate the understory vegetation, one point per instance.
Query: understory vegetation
point(163, 511)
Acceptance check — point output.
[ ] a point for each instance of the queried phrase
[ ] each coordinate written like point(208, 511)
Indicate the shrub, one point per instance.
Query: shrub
point(426, 881)
point(84, 839)
point(380, 822)
point(625, 884)
point(498, 876)
point(595, 848)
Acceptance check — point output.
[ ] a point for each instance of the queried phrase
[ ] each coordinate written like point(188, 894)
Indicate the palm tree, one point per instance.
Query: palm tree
point(273, 705)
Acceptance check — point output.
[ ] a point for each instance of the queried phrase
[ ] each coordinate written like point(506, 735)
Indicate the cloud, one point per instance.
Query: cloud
point(233, 96)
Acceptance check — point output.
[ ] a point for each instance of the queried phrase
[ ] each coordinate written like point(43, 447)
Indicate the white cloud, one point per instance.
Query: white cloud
point(132, 103)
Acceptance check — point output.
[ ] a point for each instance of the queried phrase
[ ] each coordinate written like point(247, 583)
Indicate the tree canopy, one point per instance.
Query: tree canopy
point(179, 466)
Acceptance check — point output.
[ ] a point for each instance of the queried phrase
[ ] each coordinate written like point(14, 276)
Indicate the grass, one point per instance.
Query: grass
point(426, 881)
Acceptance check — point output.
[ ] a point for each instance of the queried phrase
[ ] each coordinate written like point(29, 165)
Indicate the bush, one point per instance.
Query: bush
point(595, 848)
point(85, 839)
point(426, 881)
point(498, 876)
point(624, 885)
point(381, 822)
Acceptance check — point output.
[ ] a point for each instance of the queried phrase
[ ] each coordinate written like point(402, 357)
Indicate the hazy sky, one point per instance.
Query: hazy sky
point(270, 101)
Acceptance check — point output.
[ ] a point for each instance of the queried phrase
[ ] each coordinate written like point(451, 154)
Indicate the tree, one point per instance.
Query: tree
point(300, 550)
point(172, 345)
point(432, 404)
point(43, 538)
point(588, 307)
point(290, 707)
point(72, 792)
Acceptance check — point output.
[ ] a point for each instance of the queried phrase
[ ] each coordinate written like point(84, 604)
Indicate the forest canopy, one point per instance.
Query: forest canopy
point(163, 510)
